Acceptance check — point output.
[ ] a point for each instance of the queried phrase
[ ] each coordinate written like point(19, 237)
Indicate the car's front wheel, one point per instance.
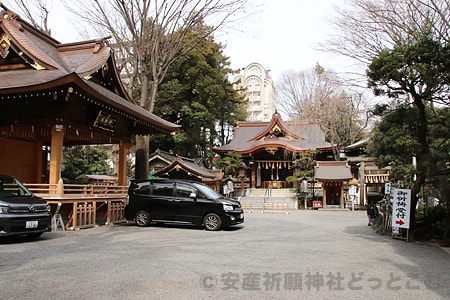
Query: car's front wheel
point(142, 218)
point(212, 222)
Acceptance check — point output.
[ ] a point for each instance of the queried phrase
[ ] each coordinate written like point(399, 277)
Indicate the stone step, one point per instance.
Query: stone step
point(334, 209)
point(272, 199)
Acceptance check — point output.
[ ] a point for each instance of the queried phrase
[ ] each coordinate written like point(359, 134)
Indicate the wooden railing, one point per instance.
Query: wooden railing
point(88, 190)
point(80, 206)
point(42, 189)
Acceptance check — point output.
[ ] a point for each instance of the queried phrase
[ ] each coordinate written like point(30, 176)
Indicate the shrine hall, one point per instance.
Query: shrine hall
point(54, 95)
point(270, 149)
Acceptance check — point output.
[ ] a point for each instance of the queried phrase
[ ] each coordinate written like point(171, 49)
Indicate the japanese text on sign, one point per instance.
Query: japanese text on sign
point(401, 208)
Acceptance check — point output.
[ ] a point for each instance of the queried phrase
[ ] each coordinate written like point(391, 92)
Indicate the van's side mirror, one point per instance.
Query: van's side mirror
point(193, 196)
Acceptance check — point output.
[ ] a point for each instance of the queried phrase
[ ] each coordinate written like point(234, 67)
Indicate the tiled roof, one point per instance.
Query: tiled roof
point(359, 144)
point(332, 170)
point(186, 165)
point(295, 136)
point(49, 64)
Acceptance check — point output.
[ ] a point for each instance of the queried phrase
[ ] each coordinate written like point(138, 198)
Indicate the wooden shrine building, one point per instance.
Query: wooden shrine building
point(270, 148)
point(333, 175)
point(177, 167)
point(54, 95)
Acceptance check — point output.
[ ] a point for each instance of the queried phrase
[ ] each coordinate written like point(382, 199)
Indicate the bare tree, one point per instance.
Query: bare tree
point(36, 11)
point(150, 33)
point(149, 36)
point(318, 95)
point(297, 90)
point(365, 27)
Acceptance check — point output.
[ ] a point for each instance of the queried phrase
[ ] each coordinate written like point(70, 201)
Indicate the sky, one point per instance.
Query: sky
point(284, 36)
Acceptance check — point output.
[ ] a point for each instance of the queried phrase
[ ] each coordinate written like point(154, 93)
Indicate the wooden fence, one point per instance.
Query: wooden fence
point(84, 216)
point(265, 207)
point(275, 207)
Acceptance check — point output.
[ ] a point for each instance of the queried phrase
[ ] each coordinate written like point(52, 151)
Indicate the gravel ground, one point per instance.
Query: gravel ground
point(302, 255)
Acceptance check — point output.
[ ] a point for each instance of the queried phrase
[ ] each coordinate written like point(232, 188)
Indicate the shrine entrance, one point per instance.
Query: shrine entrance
point(274, 172)
point(333, 194)
point(333, 175)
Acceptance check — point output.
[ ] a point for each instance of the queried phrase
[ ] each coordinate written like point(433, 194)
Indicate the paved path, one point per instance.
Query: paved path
point(302, 255)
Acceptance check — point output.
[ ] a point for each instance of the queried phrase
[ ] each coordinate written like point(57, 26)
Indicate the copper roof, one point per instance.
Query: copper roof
point(38, 62)
point(296, 136)
point(332, 170)
point(187, 165)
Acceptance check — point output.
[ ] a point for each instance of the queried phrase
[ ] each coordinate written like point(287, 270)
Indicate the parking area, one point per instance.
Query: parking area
point(304, 254)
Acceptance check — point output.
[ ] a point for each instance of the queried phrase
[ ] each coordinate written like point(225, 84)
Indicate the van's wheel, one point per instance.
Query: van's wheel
point(142, 218)
point(212, 222)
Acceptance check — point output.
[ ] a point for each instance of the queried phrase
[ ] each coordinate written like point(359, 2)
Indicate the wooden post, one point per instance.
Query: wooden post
point(122, 170)
point(60, 188)
point(75, 215)
point(56, 153)
point(361, 182)
point(253, 176)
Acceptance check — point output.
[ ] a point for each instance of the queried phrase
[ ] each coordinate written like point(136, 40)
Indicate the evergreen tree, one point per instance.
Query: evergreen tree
point(197, 94)
point(79, 160)
point(416, 72)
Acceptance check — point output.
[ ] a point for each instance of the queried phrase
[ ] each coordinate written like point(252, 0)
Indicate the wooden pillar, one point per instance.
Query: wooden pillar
point(342, 195)
point(122, 170)
point(56, 148)
point(324, 190)
point(38, 160)
point(253, 176)
point(361, 183)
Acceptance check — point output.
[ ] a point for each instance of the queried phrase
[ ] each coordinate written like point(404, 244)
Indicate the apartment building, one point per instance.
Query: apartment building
point(259, 89)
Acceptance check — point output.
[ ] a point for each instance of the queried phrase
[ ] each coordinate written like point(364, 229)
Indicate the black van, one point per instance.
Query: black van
point(170, 200)
point(21, 212)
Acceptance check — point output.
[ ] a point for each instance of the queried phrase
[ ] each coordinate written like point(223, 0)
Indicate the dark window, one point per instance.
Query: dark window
point(163, 189)
point(142, 188)
point(185, 190)
point(200, 195)
point(11, 186)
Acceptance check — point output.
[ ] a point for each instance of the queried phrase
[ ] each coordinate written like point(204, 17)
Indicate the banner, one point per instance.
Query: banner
point(401, 208)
